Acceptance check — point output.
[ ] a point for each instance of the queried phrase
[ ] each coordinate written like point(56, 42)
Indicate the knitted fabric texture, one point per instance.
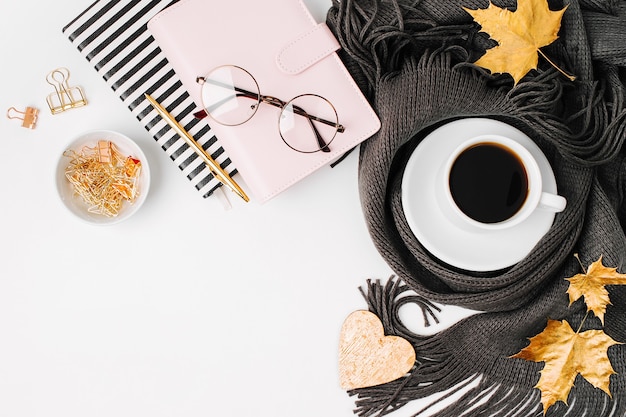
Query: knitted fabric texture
point(412, 59)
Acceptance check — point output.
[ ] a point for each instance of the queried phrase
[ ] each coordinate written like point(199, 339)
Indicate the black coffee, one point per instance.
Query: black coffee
point(488, 182)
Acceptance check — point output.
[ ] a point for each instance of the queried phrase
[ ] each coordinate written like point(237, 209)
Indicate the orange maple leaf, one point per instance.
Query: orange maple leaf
point(566, 354)
point(520, 35)
point(591, 286)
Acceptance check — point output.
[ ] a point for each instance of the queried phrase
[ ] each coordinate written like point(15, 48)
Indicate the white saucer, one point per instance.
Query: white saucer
point(483, 250)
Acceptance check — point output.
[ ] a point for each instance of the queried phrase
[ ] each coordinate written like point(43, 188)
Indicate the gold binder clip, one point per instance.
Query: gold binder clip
point(28, 117)
point(64, 96)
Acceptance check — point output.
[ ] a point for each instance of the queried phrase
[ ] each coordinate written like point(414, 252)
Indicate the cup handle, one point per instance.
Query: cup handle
point(552, 202)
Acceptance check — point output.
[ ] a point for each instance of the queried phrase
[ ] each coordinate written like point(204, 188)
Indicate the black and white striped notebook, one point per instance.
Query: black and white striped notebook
point(113, 37)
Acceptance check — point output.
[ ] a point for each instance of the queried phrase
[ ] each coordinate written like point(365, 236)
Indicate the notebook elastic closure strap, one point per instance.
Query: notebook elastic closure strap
point(307, 49)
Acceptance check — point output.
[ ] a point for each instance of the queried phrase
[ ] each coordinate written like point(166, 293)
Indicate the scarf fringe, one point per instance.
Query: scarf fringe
point(592, 135)
point(378, 35)
point(475, 398)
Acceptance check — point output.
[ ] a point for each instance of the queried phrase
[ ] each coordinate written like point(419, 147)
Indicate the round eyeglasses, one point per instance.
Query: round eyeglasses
point(231, 96)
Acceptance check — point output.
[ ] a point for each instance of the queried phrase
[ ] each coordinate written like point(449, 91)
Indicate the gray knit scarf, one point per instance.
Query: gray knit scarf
point(412, 59)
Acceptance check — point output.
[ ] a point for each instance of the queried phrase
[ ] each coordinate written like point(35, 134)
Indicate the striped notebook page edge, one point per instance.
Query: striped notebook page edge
point(112, 35)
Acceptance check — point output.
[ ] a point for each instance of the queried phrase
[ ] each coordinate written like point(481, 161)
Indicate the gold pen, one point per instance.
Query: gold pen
point(221, 175)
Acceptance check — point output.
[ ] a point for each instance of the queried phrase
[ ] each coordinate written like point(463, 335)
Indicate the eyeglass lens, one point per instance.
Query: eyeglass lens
point(299, 126)
point(230, 95)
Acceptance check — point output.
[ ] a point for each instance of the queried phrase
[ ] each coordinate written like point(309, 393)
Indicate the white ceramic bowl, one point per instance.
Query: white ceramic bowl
point(75, 204)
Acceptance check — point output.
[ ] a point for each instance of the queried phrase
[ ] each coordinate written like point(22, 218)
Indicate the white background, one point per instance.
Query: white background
point(185, 309)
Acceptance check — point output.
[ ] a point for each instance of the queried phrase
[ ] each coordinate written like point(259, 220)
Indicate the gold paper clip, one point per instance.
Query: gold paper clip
point(28, 117)
point(64, 96)
point(105, 153)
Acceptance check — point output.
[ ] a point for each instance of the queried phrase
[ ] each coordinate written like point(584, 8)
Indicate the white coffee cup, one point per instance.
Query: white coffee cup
point(531, 190)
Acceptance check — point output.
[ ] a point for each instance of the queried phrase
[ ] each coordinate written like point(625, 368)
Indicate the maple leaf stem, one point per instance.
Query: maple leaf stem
point(582, 322)
point(580, 263)
point(570, 77)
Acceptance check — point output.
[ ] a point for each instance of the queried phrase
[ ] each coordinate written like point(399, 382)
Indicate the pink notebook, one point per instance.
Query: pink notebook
point(289, 54)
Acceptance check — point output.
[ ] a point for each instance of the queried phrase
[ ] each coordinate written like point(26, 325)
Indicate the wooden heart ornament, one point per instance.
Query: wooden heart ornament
point(367, 357)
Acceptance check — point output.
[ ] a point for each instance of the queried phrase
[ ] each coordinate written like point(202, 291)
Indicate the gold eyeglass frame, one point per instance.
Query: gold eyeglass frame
point(276, 102)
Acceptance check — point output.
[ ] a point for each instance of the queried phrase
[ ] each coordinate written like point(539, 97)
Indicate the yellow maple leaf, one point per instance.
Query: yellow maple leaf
point(566, 354)
point(591, 286)
point(519, 34)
